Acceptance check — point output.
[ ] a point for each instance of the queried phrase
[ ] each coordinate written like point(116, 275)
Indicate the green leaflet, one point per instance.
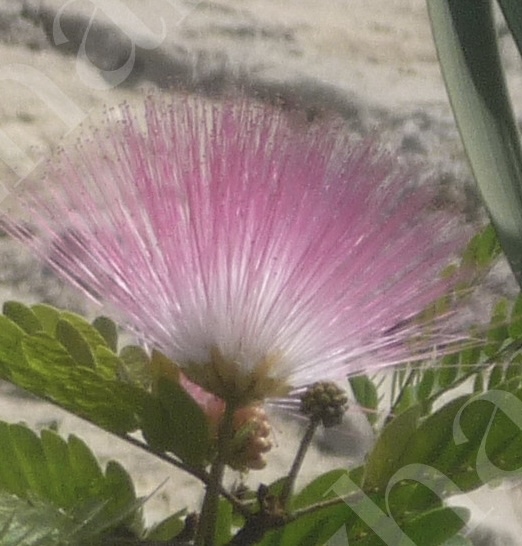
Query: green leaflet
point(60, 357)
point(23, 316)
point(389, 448)
point(53, 491)
point(48, 317)
point(481, 251)
point(466, 42)
point(136, 364)
point(164, 424)
point(512, 10)
point(75, 344)
point(224, 523)
point(108, 330)
point(167, 528)
point(416, 464)
point(434, 527)
point(490, 362)
point(49, 371)
point(366, 395)
point(33, 523)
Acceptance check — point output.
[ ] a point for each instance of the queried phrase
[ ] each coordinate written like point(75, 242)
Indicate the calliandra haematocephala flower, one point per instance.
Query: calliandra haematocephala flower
point(259, 253)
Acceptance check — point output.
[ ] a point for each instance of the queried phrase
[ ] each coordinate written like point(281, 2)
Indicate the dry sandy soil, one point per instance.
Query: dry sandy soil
point(371, 62)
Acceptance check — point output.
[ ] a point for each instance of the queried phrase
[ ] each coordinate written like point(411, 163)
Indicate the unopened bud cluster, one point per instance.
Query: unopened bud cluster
point(252, 439)
point(324, 402)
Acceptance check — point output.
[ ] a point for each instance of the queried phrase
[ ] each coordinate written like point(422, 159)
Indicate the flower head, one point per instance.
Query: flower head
point(260, 254)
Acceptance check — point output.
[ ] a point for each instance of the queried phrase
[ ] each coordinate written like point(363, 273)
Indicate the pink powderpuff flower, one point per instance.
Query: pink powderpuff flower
point(259, 253)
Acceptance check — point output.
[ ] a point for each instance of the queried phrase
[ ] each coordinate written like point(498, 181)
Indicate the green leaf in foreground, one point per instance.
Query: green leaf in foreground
point(165, 421)
point(482, 250)
point(136, 365)
point(435, 527)
point(48, 317)
point(389, 449)
point(54, 492)
point(512, 10)
point(108, 330)
point(49, 371)
point(466, 42)
point(168, 528)
point(458, 540)
point(23, 316)
point(75, 344)
point(69, 362)
point(366, 395)
point(33, 523)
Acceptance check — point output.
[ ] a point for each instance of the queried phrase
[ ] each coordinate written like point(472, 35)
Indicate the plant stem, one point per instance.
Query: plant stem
point(209, 512)
point(298, 461)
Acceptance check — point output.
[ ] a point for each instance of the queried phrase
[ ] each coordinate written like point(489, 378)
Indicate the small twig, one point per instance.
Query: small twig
point(263, 522)
point(196, 472)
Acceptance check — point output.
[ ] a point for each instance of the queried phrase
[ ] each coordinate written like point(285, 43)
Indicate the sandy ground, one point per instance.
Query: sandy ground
point(370, 61)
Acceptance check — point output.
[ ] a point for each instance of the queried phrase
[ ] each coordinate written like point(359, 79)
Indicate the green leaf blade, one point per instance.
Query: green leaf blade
point(108, 330)
point(466, 43)
point(75, 344)
point(512, 10)
point(23, 316)
point(56, 492)
point(164, 424)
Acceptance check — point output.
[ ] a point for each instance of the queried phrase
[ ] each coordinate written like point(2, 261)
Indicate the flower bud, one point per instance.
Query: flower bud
point(324, 401)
